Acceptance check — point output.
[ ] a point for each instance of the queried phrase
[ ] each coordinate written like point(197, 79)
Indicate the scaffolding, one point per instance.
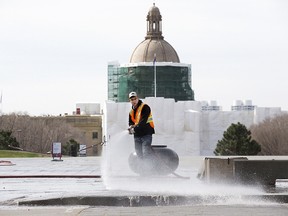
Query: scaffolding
point(173, 81)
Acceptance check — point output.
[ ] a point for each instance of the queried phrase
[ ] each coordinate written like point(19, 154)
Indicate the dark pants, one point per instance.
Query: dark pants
point(145, 153)
point(143, 146)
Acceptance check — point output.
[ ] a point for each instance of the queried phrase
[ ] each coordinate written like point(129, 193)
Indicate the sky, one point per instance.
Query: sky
point(54, 53)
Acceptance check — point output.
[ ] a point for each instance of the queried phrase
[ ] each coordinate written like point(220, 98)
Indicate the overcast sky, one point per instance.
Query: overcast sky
point(54, 53)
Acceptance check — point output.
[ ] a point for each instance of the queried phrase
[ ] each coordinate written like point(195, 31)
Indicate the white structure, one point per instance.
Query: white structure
point(184, 126)
point(210, 106)
point(87, 108)
point(239, 105)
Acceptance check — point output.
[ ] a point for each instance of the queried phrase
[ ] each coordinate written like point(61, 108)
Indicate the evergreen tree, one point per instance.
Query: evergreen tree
point(237, 141)
point(6, 140)
point(71, 148)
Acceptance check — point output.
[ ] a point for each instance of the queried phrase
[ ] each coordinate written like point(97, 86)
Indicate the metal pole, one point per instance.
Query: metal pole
point(155, 86)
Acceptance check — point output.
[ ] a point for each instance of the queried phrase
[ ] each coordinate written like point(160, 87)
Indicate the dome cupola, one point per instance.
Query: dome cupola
point(154, 43)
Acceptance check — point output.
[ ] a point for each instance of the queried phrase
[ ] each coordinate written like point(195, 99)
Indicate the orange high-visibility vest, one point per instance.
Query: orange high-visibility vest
point(138, 116)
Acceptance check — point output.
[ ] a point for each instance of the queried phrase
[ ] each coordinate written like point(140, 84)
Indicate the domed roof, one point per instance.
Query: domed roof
point(154, 43)
point(149, 48)
point(154, 11)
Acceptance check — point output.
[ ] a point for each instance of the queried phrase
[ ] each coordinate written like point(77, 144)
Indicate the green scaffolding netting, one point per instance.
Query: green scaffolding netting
point(171, 82)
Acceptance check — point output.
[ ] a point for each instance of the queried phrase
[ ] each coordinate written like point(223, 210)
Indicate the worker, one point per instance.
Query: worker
point(141, 126)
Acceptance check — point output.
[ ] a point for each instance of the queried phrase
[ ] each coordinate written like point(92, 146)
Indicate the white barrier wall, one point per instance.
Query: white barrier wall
point(182, 126)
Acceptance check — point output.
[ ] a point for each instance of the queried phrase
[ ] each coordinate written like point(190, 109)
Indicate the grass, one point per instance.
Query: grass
point(19, 154)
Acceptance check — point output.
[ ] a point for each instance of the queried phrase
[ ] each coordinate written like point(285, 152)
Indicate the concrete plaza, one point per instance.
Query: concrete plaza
point(51, 195)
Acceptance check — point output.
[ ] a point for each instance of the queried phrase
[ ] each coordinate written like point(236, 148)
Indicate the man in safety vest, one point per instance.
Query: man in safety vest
point(141, 125)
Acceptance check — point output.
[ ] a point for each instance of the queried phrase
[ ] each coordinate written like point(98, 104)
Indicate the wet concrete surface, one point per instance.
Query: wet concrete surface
point(16, 188)
point(204, 210)
point(91, 196)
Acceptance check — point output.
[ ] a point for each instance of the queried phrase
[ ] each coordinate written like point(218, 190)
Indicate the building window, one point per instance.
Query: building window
point(94, 135)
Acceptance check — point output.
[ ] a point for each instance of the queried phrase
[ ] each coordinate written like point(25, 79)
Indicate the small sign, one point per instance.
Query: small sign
point(82, 150)
point(56, 150)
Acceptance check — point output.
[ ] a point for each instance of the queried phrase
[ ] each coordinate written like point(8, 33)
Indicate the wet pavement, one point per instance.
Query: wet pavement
point(17, 188)
point(87, 194)
point(211, 210)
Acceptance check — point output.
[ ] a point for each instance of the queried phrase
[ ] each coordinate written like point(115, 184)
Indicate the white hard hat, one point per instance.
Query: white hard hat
point(132, 94)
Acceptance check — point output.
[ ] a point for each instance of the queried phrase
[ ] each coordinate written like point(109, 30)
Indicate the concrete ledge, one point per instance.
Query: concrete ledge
point(263, 172)
point(243, 170)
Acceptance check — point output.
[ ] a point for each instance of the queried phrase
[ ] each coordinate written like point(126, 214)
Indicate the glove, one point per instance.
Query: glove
point(131, 129)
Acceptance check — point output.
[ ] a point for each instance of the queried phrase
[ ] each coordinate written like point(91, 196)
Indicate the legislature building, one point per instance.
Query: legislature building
point(154, 69)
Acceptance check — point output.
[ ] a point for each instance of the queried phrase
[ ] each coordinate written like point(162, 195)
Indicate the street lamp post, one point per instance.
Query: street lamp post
point(155, 82)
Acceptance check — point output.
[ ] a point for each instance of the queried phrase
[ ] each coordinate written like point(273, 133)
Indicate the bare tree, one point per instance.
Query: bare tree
point(37, 134)
point(272, 135)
